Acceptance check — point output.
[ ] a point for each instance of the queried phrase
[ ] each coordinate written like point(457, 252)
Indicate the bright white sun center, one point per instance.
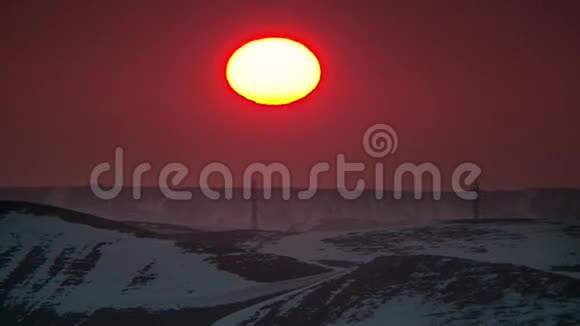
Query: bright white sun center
point(273, 71)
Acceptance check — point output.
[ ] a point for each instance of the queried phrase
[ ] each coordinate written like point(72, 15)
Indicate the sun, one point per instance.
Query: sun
point(273, 71)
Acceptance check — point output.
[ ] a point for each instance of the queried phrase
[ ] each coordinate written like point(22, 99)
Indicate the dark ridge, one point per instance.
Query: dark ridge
point(122, 317)
point(189, 316)
point(572, 231)
point(35, 258)
point(78, 268)
point(6, 256)
point(260, 267)
point(57, 266)
point(60, 262)
point(71, 216)
point(339, 263)
point(153, 226)
point(246, 263)
point(225, 242)
point(566, 268)
point(472, 288)
point(396, 240)
point(20, 315)
point(554, 203)
point(491, 221)
point(333, 224)
point(143, 277)
point(216, 242)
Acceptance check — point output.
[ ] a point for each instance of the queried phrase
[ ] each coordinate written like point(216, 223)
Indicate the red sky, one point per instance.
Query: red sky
point(494, 82)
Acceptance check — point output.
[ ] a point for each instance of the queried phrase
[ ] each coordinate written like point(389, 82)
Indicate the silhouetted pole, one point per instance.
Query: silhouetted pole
point(476, 201)
point(254, 200)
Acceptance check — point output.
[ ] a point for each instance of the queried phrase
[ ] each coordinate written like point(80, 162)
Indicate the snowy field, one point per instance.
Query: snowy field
point(82, 270)
point(540, 244)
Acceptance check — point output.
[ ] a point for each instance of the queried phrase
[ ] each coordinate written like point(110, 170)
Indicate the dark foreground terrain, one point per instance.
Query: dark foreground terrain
point(60, 267)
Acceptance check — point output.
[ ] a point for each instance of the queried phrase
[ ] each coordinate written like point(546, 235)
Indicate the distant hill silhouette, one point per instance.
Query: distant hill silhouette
point(321, 212)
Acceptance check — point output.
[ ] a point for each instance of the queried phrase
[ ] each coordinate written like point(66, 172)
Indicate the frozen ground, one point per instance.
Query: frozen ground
point(73, 265)
point(65, 268)
point(541, 244)
point(498, 272)
point(425, 290)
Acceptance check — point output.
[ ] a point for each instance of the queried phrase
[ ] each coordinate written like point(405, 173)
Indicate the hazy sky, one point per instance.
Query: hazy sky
point(494, 82)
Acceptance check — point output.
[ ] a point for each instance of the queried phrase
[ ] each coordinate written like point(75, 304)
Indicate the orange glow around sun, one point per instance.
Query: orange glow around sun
point(273, 71)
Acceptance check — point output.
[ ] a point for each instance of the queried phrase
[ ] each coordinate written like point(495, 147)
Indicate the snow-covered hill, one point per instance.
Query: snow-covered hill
point(425, 290)
point(542, 244)
point(60, 267)
point(72, 264)
point(469, 272)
